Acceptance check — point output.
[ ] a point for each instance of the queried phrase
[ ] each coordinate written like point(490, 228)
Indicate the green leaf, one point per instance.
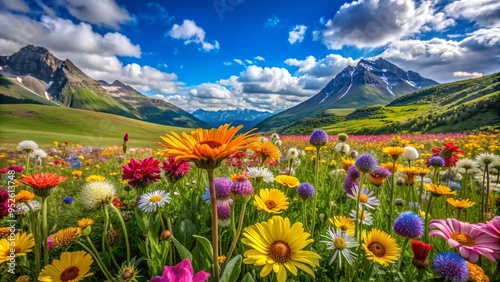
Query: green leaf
point(248, 278)
point(206, 246)
point(183, 252)
point(184, 232)
point(232, 270)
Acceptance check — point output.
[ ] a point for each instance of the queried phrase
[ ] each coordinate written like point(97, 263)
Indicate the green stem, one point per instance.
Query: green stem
point(482, 197)
point(161, 219)
point(105, 229)
point(405, 243)
point(487, 192)
point(427, 216)
point(36, 236)
point(304, 214)
point(391, 203)
point(358, 224)
point(45, 231)
point(215, 227)
point(101, 265)
point(238, 232)
point(315, 198)
point(127, 245)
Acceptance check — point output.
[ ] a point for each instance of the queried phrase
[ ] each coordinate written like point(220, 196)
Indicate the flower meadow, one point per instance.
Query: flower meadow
point(223, 205)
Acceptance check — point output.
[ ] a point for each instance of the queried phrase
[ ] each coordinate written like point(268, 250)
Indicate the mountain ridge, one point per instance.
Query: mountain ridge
point(246, 117)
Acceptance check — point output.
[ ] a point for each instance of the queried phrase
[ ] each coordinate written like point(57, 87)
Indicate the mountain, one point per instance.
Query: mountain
point(36, 70)
point(466, 105)
point(248, 118)
point(369, 83)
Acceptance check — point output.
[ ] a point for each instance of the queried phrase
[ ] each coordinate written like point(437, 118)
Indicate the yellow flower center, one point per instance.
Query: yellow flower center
point(155, 199)
point(69, 274)
point(339, 243)
point(377, 249)
point(363, 198)
point(211, 144)
point(270, 204)
point(463, 239)
point(279, 251)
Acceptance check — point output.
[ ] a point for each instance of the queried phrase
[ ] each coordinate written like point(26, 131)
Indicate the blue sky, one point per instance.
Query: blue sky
point(266, 55)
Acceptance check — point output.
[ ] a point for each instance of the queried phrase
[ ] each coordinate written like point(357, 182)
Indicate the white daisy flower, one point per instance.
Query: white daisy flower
point(97, 194)
point(150, 202)
point(340, 243)
point(292, 154)
point(364, 215)
point(260, 173)
point(366, 198)
point(23, 209)
point(278, 143)
point(27, 145)
point(486, 158)
point(342, 147)
point(411, 153)
point(38, 154)
point(466, 164)
point(275, 136)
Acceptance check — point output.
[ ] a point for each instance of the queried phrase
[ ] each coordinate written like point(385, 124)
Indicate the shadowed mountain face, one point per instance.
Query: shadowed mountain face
point(369, 83)
point(36, 69)
point(247, 118)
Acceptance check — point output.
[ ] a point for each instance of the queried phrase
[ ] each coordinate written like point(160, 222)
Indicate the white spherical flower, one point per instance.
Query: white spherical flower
point(342, 147)
point(27, 145)
point(38, 154)
point(466, 165)
point(486, 158)
point(278, 143)
point(97, 194)
point(292, 154)
point(275, 136)
point(411, 153)
point(260, 173)
point(150, 202)
point(23, 209)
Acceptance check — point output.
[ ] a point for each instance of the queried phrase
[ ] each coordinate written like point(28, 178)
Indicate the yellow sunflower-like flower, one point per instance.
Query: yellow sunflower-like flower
point(65, 237)
point(476, 273)
point(84, 222)
point(23, 243)
point(266, 151)
point(72, 266)
point(206, 148)
point(76, 174)
point(394, 152)
point(278, 247)
point(380, 247)
point(389, 166)
point(347, 163)
point(460, 204)
point(422, 171)
point(438, 190)
point(271, 201)
point(24, 196)
point(93, 178)
point(345, 224)
point(287, 180)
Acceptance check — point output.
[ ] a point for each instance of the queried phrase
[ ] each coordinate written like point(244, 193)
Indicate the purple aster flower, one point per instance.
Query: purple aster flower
point(351, 180)
point(242, 188)
point(409, 225)
point(318, 138)
point(224, 214)
point(305, 191)
point(68, 200)
point(451, 267)
point(437, 161)
point(366, 163)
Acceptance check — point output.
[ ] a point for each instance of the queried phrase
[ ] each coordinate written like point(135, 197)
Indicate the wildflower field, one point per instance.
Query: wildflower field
point(221, 205)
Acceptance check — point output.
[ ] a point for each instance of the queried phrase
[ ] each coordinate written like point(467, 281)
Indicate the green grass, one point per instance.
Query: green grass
point(84, 98)
point(9, 88)
point(45, 124)
point(339, 112)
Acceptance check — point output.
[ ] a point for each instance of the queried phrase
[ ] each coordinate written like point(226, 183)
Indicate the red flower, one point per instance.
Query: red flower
point(42, 183)
point(420, 253)
point(175, 170)
point(15, 168)
point(142, 172)
point(116, 202)
point(4, 203)
point(449, 153)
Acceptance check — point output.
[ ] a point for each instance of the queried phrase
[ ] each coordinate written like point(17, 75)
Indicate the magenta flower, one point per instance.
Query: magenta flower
point(175, 170)
point(182, 272)
point(491, 227)
point(142, 172)
point(470, 241)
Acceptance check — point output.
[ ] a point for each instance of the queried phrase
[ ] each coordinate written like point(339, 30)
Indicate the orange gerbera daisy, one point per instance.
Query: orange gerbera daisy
point(266, 151)
point(206, 148)
point(42, 183)
point(24, 196)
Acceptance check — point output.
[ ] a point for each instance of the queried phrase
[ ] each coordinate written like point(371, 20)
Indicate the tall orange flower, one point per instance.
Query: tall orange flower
point(42, 183)
point(266, 151)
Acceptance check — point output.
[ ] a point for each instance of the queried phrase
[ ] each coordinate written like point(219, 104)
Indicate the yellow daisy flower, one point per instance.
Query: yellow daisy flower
point(460, 204)
point(345, 224)
point(271, 201)
point(24, 196)
point(287, 180)
point(84, 222)
point(65, 237)
point(72, 266)
point(380, 247)
point(93, 178)
point(23, 243)
point(438, 190)
point(277, 246)
point(394, 152)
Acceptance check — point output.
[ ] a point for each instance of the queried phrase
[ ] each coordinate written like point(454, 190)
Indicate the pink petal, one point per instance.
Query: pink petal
point(201, 276)
point(453, 243)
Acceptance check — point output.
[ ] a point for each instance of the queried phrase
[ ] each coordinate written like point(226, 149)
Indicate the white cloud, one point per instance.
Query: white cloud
point(484, 12)
point(103, 12)
point(249, 61)
point(191, 33)
point(227, 63)
point(467, 74)
point(374, 23)
point(259, 58)
point(238, 61)
point(272, 22)
point(15, 5)
point(297, 34)
point(329, 66)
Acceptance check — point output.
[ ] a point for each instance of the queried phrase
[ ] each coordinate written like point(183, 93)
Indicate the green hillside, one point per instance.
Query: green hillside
point(10, 92)
point(45, 124)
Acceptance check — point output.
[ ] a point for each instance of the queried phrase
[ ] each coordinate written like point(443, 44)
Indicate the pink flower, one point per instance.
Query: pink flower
point(469, 240)
point(175, 170)
point(182, 272)
point(50, 243)
point(491, 227)
point(142, 172)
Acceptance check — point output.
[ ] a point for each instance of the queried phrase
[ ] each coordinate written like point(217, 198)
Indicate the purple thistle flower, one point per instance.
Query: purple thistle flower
point(318, 138)
point(409, 225)
point(241, 189)
point(451, 267)
point(351, 180)
point(437, 161)
point(366, 163)
point(222, 187)
point(125, 138)
point(305, 191)
point(224, 214)
point(381, 171)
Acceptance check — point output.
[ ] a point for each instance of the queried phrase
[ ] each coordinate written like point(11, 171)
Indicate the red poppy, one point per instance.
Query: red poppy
point(141, 172)
point(42, 183)
point(449, 153)
point(420, 252)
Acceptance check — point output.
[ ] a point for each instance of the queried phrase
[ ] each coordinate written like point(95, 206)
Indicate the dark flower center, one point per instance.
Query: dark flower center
point(69, 273)
point(270, 204)
point(377, 249)
point(279, 251)
point(211, 144)
point(463, 239)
